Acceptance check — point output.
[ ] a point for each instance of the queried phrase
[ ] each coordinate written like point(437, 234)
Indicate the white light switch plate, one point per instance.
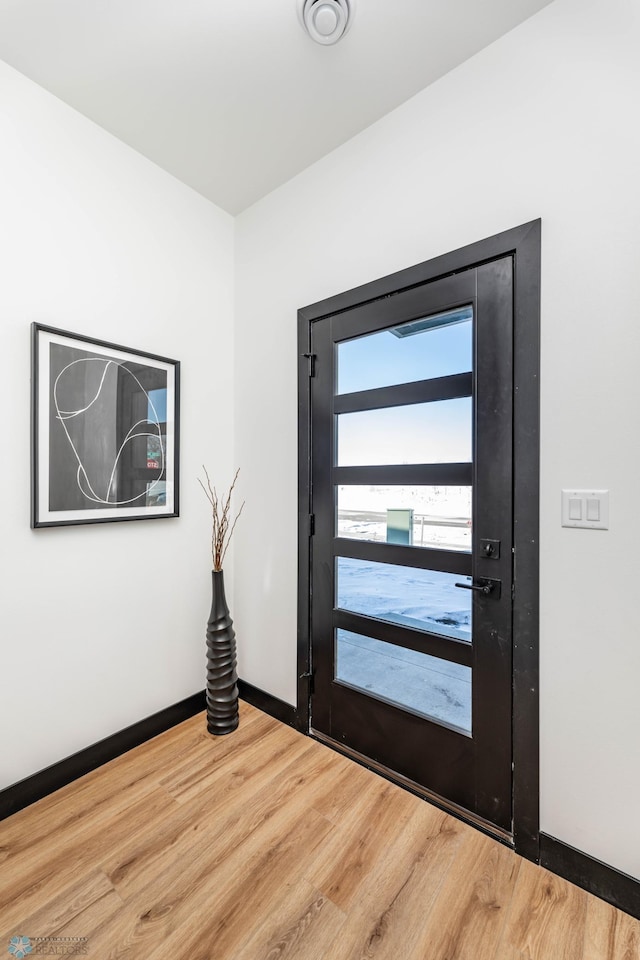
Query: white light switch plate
point(578, 506)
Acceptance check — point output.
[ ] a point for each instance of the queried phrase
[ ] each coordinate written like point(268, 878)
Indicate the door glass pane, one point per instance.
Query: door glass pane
point(429, 516)
point(435, 346)
point(421, 599)
point(438, 432)
point(417, 682)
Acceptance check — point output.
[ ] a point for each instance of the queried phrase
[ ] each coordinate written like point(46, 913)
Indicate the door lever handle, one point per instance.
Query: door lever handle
point(484, 586)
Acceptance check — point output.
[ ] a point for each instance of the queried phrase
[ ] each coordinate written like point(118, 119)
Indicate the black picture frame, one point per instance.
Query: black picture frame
point(104, 431)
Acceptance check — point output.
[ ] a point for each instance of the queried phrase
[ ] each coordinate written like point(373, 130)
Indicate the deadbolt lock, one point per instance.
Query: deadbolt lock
point(490, 549)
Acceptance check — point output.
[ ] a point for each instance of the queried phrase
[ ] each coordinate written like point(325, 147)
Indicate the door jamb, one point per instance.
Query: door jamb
point(523, 243)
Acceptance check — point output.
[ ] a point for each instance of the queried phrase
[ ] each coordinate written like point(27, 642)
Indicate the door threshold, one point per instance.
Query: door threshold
point(496, 833)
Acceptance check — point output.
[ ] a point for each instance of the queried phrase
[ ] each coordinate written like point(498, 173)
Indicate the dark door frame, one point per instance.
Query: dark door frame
point(523, 244)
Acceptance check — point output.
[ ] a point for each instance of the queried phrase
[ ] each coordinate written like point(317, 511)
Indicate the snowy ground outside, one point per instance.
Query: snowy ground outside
point(416, 598)
point(441, 520)
point(415, 681)
point(421, 599)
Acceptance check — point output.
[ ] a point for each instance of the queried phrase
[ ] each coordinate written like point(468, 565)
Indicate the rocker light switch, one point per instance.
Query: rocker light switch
point(585, 508)
point(575, 508)
point(593, 508)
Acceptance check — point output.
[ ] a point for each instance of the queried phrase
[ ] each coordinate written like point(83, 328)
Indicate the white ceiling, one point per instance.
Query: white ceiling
point(231, 96)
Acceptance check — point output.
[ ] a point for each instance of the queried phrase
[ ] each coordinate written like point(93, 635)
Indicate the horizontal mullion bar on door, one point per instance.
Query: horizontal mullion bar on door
point(407, 474)
point(397, 306)
point(420, 391)
point(425, 558)
point(446, 648)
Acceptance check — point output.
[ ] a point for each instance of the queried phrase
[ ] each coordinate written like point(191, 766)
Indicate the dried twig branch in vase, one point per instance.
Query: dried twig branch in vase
point(222, 678)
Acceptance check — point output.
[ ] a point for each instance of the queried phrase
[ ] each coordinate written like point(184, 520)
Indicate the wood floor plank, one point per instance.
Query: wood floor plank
point(610, 934)
point(227, 764)
point(28, 881)
point(80, 908)
point(302, 924)
point(267, 845)
point(359, 841)
point(354, 781)
point(547, 917)
point(240, 887)
point(113, 936)
point(195, 871)
point(93, 794)
point(102, 793)
point(386, 921)
point(205, 830)
point(468, 915)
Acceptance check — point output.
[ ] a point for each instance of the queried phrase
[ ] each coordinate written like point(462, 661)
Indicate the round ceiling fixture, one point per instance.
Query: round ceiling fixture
point(326, 21)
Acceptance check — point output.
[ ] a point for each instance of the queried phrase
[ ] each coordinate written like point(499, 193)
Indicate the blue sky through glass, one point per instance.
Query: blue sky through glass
point(383, 359)
point(438, 432)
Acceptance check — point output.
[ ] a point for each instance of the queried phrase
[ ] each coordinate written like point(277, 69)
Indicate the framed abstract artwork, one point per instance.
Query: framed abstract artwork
point(105, 431)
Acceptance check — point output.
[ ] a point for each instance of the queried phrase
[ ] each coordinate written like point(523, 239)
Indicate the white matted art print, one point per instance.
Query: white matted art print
point(105, 429)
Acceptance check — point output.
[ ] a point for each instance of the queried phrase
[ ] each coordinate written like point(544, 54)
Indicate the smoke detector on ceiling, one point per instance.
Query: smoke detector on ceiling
point(326, 21)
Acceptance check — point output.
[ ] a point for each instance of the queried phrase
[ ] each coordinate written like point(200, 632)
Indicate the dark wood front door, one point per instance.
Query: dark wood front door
point(411, 426)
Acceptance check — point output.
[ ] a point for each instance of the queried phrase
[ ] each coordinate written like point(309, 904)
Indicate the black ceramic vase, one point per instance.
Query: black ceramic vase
point(222, 679)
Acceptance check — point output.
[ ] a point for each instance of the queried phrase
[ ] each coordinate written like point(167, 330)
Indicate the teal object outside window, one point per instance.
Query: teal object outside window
point(400, 526)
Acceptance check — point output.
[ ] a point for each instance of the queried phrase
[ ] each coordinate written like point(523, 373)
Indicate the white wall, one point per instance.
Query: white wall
point(102, 625)
point(541, 124)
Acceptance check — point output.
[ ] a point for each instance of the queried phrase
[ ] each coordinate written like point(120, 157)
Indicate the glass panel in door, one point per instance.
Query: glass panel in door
point(434, 432)
point(428, 686)
point(437, 346)
point(417, 598)
point(437, 517)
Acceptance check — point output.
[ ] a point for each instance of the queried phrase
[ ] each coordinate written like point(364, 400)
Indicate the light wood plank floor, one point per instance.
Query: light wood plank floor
point(265, 845)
